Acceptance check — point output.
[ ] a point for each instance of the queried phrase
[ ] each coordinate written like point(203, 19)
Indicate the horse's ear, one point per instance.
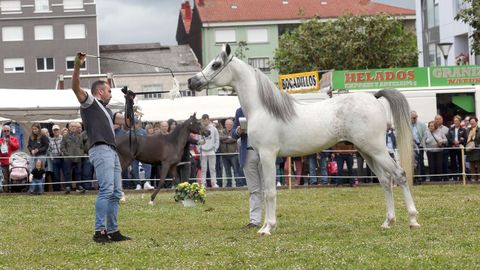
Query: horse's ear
point(226, 50)
point(194, 115)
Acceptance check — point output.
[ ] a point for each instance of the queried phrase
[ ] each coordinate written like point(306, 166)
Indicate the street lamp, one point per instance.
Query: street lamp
point(445, 48)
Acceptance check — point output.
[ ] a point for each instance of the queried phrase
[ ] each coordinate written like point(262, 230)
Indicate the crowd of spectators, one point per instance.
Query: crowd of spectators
point(214, 162)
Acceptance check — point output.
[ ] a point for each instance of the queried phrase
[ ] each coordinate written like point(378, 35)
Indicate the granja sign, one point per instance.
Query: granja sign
point(454, 75)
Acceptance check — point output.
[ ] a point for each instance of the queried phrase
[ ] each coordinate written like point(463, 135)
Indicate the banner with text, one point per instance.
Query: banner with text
point(380, 78)
point(454, 75)
point(299, 82)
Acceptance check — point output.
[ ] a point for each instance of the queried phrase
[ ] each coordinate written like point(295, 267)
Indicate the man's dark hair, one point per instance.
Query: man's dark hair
point(205, 116)
point(96, 85)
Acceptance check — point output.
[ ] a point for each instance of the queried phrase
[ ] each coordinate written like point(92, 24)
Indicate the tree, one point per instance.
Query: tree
point(471, 16)
point(241, 50)
point(350, 42)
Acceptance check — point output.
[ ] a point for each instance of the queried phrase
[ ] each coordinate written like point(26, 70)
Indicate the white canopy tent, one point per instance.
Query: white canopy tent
point(34, 105)
point(217, 107)
point(57, 106)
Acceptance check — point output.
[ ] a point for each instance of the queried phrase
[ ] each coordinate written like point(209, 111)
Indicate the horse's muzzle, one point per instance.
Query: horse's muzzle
point(195, 84)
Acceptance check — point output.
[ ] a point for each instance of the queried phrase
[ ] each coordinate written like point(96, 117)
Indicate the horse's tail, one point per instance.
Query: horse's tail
point(401, 117)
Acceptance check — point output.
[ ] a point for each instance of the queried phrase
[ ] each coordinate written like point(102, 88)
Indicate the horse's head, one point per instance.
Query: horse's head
point(215, 74)
point(196, 127)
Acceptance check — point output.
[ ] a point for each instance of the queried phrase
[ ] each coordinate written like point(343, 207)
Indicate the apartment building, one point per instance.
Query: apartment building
point(436, 26)
point(39, 39)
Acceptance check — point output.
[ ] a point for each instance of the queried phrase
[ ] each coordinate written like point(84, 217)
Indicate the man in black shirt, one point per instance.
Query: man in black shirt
point(98, 121)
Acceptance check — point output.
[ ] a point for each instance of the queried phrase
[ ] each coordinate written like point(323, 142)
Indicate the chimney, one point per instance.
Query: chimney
point(61, 81)
point(187, 10)
point(201, 3)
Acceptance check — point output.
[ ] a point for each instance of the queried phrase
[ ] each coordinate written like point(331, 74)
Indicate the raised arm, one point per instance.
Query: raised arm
point(79, 92)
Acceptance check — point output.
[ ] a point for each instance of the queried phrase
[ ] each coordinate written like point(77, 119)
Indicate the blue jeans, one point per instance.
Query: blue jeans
point(87, 173)
point(147, 168)
point(37, 183)
point(312, 169)
point(229, 162)
point(323, 168)
point(107, 167)
point(135, 173)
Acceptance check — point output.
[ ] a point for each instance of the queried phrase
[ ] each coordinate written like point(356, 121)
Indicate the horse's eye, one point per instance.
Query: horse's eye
point(216, 65)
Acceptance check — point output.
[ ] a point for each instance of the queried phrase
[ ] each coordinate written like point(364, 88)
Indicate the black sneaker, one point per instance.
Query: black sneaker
point(117, 236)
point(101, 237)
point(251, 226)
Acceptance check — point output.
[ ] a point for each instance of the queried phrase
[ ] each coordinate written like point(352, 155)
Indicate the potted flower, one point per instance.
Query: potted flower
point(190, 194)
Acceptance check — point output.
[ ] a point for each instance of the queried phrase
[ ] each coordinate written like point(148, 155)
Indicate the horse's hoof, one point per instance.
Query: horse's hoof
point(151, 203)
point(265, 233)
point(415, 226)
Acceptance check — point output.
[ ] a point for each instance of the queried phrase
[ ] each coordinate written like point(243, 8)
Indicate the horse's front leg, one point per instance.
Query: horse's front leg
point(163, 175)
point(174, 174)
point(267, 160)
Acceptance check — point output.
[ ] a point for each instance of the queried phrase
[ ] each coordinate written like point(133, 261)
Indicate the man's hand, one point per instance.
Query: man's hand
point(80, 59)
point(240, 130)
point(79, 92)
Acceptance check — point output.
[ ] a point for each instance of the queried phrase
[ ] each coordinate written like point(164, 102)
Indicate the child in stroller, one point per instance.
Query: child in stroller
point(19, 171)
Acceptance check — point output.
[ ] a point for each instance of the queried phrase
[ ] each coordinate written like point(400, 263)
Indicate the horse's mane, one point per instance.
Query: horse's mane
point(276, 102)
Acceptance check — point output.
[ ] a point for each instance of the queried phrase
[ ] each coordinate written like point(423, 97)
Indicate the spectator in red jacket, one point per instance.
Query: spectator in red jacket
point(8, 145)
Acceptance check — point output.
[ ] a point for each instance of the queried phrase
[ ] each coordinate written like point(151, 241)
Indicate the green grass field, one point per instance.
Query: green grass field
point(324, 228)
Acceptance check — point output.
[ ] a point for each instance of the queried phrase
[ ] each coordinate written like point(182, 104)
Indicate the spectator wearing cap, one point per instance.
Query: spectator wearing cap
point(8, 145)
point(55, 154)
point(207, 152)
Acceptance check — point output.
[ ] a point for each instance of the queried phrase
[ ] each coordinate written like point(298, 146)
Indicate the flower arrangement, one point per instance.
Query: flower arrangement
point(192, 191)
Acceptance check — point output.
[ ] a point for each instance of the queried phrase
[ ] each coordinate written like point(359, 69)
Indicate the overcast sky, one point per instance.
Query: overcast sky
point(139, 21)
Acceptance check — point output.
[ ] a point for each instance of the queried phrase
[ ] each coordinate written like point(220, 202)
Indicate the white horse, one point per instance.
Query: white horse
point(278, 124)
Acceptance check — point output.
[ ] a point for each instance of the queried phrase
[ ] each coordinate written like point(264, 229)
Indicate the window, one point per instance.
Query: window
point(13, 65)
point(224, 36)
point(152, 88)
point(432, 13)
point(74, 31)
point(10, 7)
point(45, 64)
point(257, 36)
point(184, 91)
point(262, 63)
point(70, 61)
point(459, 5)
point(42, 6)
point(12, 33)
point(43, 32)
point(73, 4)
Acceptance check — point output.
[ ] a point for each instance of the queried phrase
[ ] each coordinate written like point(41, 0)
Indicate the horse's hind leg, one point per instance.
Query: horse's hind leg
point(391, 170)
point(382, 168)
